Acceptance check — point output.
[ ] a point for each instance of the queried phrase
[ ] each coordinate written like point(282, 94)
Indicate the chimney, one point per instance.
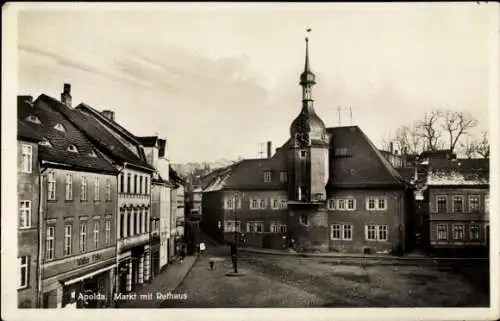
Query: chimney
point(161, 147)
point(66, 95)
point(391, 147)
point(269, 149)
point(109, 114)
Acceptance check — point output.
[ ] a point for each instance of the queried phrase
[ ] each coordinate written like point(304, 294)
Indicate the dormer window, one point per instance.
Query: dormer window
point(60, 128)
point(33, 119)
point(45, 142)
point(267, 176)
point(93, 154)
point(72, 148)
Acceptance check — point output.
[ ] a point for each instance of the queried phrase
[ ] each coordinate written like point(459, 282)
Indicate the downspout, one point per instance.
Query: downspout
point(40, 238)
point(117, 229)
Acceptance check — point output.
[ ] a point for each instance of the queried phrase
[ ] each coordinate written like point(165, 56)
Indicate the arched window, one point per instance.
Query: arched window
point(93, 154)
point(60, 128)
point(72, 148)
point(33, 119)
point(45, 142)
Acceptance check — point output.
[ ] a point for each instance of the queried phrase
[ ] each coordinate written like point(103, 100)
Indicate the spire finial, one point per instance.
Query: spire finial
point(307, 67)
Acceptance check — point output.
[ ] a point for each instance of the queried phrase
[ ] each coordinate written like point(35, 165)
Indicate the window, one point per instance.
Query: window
point(277, 227)
point(135, 183)
point(147, 220)
point(259, 227)
point(267, 176)
point(51, 186)
point(130, 219)
point(33, 119)
point(97, 197)
point(474, 232)
point(69, 187)
point(458, 232)
point(23, 263)
point(283, 176)
point(83, 194)
point(140, 184)
point(442, 232)
point(441, 204)
point(303, 154)
point(371, 235)
point(340, 151)
point(304, 219)
point(376, 232)
point(72, 149)
point(122, 182)
point(474, 203)
point(83, 236)
point(25, 214)
point(275, 203)
point(108, 191)
point(49, 251)
point(250, 227)
point(341, 204)
point(458, 204)
point(230, 204)
point(262, 203)
point(336, 234)
point(351, 204)
point(128, 183)
point(67, 239)
point(60, 128)
point(331, 204)
point(122, 224)
point(146, 185)
point(382, 233)
point(376, 203)
point(96, 235)
point(253, 204)
point(231, 226)
point(283, 204)
point(26, 158)
point(347, 232)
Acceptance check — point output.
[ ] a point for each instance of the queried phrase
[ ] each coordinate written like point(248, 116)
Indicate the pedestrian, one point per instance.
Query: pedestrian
point(182, 254)
point(202, 247)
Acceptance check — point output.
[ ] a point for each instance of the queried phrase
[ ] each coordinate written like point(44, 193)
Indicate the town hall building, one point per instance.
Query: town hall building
point(325, 189)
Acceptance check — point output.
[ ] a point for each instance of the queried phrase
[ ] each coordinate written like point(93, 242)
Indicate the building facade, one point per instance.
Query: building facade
point(458, 194)
point(77, 211)
point(28, 178)
point(177, 218)
point(325, 189)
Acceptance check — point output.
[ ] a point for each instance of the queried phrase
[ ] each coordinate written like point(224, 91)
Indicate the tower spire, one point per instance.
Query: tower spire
point(307, 68)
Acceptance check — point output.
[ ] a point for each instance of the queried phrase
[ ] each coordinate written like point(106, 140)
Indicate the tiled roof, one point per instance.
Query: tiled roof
point(112, 123)
point(148, 141)
point(25, 132)
point(363, 166)
point(60, 141)
point(458, 172)
point(97, 133)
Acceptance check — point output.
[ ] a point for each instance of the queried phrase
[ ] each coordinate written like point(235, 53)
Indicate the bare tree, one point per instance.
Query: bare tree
point(469, 148)
point(483, 146)
point(428, 129)
point(456, 124)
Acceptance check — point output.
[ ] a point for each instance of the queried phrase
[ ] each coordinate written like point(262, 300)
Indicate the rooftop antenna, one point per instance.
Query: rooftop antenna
point(261, 150)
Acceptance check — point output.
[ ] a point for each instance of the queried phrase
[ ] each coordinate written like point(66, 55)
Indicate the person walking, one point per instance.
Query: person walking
point(182, 254)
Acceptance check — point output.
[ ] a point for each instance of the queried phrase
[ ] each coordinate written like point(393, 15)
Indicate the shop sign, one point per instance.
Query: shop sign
point(87, 259)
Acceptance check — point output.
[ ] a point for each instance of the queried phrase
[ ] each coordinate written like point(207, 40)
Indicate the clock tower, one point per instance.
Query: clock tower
point(308, 159)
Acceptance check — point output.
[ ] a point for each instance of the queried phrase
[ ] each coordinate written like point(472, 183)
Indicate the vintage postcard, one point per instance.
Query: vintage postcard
point(250, 161)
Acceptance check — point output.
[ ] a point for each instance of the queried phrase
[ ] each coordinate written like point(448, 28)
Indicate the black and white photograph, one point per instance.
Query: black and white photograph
point(309, 159)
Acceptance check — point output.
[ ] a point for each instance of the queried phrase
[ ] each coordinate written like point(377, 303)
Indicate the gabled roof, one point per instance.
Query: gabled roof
point(363, 166)
point(94, 112)
point(97, 134)
point(60, 141)
point(26, 133)
point(458, 172)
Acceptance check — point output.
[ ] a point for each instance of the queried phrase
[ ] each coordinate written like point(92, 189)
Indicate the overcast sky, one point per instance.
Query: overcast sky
point(218, 80)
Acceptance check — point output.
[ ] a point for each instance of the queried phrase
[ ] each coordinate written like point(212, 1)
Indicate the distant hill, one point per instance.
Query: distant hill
point(189, 168)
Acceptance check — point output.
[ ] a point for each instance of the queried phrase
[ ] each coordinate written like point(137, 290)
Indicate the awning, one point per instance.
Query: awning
point(88, 275)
